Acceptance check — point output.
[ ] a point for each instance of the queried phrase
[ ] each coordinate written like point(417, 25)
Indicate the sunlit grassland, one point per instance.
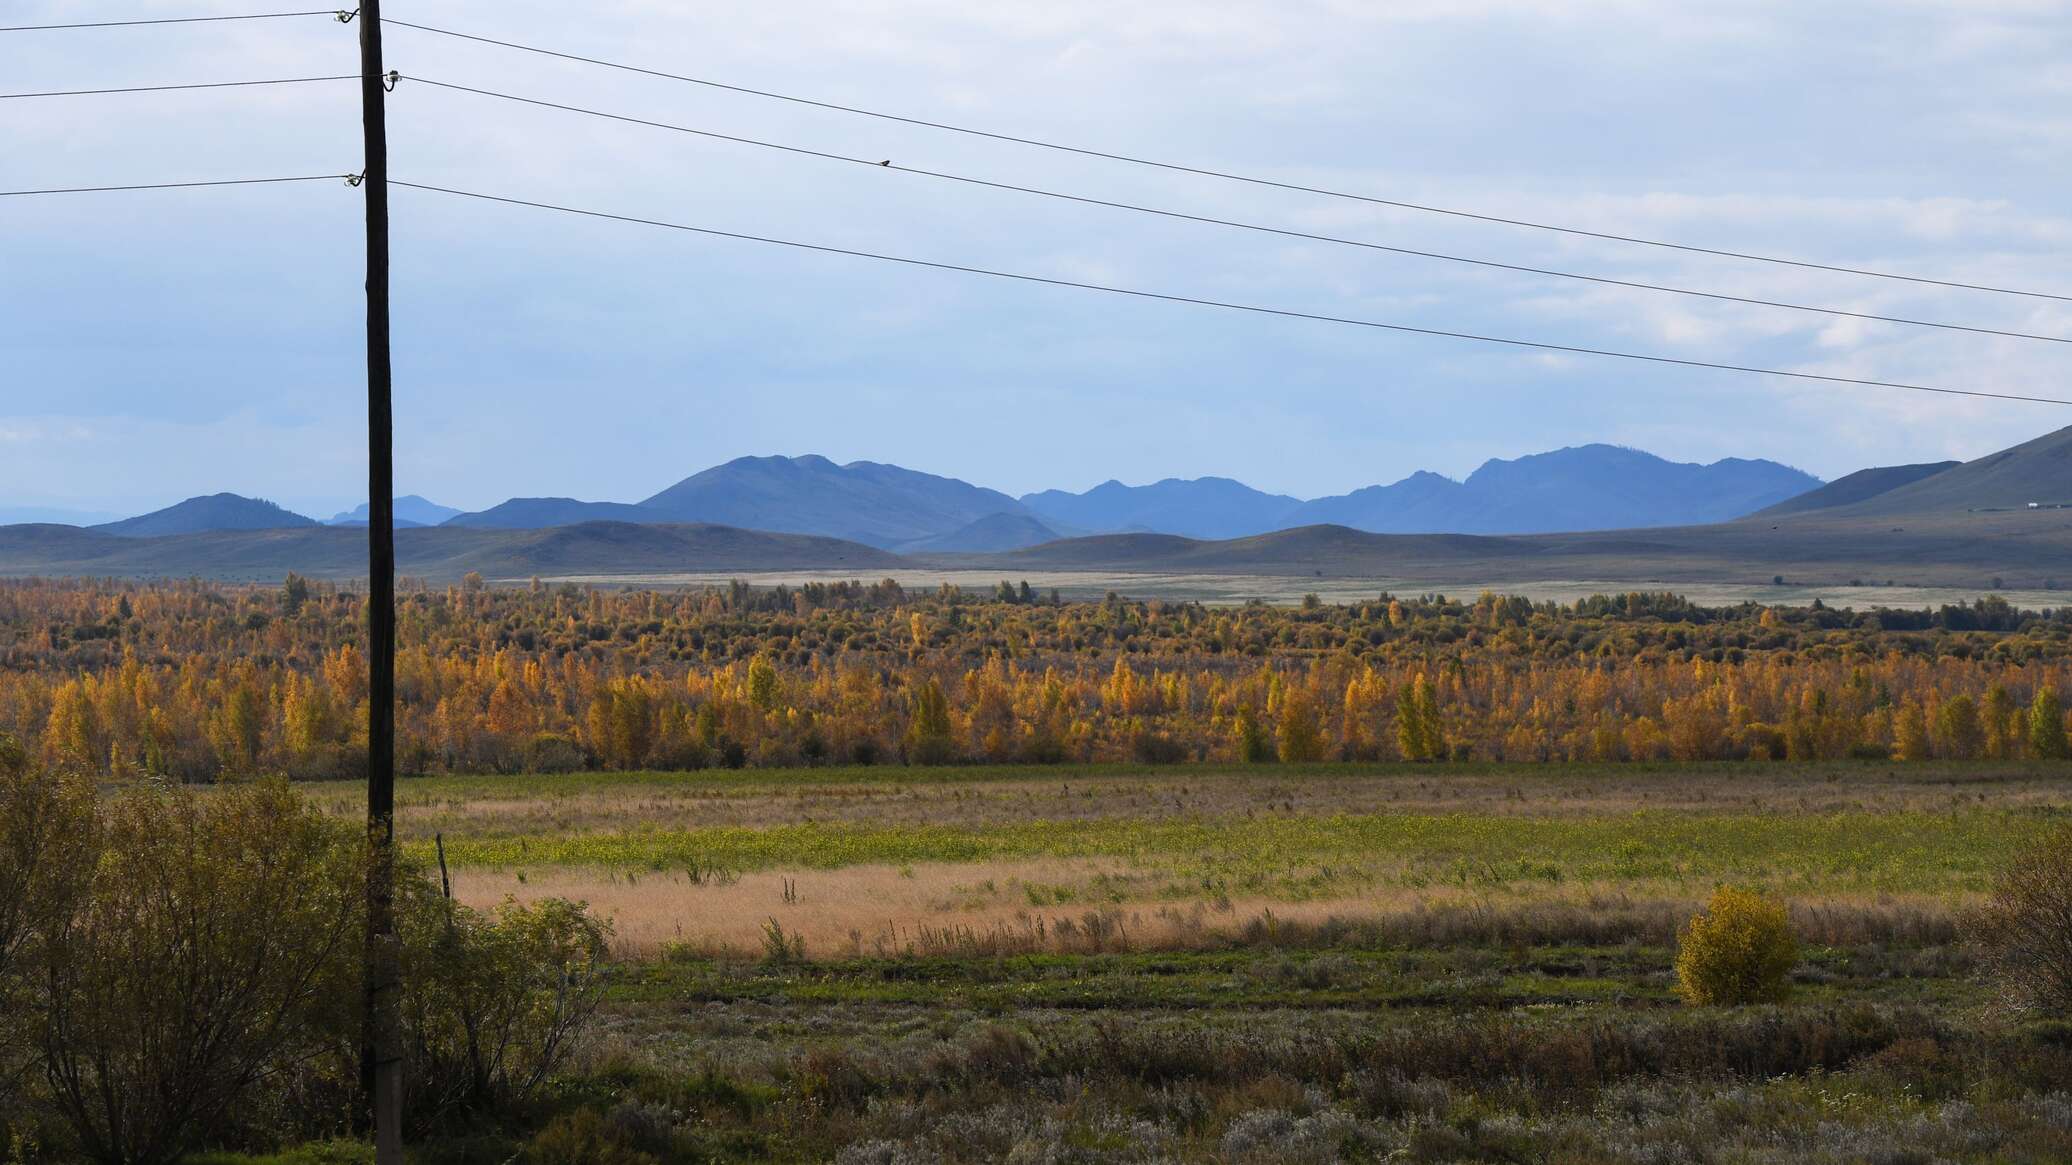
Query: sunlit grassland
point(1845, 852)
point(1840, 828)
point(859, 861)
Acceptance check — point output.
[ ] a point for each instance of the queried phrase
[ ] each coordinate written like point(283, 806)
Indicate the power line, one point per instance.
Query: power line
point(169, 20)
point(1200, 302)
point(178, 185)
point(1229, 176)
point(887, 164)
point(169, 88)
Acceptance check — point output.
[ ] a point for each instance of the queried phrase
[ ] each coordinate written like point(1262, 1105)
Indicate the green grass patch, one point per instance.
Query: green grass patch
point(1907, 852)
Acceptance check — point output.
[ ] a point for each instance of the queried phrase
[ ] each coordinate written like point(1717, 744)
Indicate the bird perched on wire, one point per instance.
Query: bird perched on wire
point(886, 162)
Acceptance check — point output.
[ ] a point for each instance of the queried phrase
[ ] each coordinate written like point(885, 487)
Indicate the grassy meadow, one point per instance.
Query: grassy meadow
point(860, 862)
point(1302, 963)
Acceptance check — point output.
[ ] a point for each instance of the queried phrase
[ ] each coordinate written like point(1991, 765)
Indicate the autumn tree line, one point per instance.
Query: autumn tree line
point(191, 680)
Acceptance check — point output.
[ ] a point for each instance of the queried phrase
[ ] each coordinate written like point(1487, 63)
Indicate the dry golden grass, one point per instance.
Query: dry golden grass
point(1055, 906)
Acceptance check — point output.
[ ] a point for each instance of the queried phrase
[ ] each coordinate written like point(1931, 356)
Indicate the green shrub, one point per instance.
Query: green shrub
point(493, 1002)
point(1740, 950)
point(782, 948)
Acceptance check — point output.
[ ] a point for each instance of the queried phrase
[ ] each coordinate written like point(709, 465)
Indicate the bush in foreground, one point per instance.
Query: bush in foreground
point(2025, 929)
point(493, 1001)
point(1739, 950)
point(46, 847)
point(212, 953)
point(181, 970)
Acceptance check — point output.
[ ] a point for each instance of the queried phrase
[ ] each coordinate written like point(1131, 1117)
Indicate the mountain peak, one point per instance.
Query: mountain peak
point(221, 511)
point(412, 509)
point(864, 501)
point(1201, 507)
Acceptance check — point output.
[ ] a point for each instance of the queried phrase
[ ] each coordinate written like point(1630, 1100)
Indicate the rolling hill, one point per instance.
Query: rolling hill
point(992, 532)
point(224, 511)
point(1855, 487)
point(2038, 471)
point(1965, 550)
point(437, 552)
point(543, 513)
point(627, 547)
point(1330, 550)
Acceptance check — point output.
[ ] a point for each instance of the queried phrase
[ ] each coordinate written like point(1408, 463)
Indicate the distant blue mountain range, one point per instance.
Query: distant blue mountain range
point(1588, 487)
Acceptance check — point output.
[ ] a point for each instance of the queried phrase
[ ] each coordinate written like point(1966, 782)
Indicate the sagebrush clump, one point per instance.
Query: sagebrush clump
point(2025, 928)
point(1740, 950)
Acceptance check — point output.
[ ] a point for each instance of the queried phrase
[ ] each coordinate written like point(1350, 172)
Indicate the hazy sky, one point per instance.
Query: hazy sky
point(157, 345)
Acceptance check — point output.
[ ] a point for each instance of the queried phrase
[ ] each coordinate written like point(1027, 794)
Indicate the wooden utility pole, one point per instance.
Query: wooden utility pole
point(381, 1050)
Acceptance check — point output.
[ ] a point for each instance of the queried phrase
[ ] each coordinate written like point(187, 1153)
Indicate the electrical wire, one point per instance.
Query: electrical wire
point(333, 12)
point(170, 88)
point(888, 164)
point(1201, 302)
point(1226, 175)
point(178, 185)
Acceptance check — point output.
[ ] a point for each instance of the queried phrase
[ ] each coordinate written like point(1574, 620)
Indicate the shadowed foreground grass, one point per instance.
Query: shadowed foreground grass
point(1351, 1050)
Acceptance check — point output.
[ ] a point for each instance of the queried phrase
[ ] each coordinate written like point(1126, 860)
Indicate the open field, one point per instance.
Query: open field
point(858, 863)
point(1281, 963)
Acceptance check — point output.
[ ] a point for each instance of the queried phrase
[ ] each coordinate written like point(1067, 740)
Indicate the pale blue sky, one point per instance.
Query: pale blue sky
point(166, 344)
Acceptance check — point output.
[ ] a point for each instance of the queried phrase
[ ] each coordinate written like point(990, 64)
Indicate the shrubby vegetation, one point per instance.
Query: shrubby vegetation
point(1740, 950)
point(190, 680)
point(805, 1064)
point(182, 970)
point(2026, 928)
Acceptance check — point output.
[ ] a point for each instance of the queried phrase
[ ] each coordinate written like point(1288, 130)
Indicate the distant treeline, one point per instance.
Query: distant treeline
point(192, 680)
